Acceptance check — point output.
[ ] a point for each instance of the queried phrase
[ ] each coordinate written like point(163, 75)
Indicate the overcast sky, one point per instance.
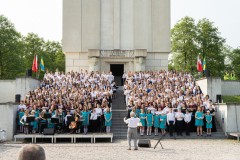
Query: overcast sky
point(44, 17)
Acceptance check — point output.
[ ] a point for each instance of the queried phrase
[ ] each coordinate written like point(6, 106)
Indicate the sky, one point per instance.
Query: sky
point(44, 17)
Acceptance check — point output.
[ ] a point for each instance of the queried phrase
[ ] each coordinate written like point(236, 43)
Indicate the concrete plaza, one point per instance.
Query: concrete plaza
point(197, 149)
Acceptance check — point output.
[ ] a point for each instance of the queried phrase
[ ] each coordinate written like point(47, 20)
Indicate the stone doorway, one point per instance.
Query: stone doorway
point(117, 70)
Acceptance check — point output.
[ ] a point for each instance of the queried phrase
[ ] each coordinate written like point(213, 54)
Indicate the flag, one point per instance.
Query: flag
point(199, 64)
point(42, 65)
point(204, 64)
point(35, 64)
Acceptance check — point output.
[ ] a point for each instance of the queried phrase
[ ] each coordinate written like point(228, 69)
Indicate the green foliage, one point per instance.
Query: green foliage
point(50, 51)
point(11, 54)
point(17, 52)
point(190, 39)
point(211, 44)
point(234, 66)
point(183, 37)
point(231, 99)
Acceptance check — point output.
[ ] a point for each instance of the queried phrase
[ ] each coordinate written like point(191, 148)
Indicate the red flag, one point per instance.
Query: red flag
point(35, 64)
point(199, 64)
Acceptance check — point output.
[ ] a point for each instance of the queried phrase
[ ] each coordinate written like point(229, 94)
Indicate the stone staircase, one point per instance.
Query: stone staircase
point(119, 128)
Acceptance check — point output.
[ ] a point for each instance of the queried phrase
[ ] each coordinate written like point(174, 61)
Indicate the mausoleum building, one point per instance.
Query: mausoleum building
point(116, 35)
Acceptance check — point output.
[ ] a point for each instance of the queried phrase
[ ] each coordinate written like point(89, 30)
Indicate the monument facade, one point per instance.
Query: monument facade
point(117, 35)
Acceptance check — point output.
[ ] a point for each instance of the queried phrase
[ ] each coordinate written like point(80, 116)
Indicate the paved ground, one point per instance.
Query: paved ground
point(173, 150)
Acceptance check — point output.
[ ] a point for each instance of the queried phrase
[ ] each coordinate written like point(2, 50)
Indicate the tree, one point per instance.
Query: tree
point(33, 44)
point(184, 48)
point(11, 53)
point(50, 51)
point(17, 52)
point(188, 40)
point(235, 65)
point(211, 45)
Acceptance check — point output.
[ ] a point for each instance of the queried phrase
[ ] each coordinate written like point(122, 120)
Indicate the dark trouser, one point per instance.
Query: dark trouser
point(188, 127)
point(42, 125)
point(98, 127)
point(123, 80)
point(179, 125)
point(171, 127)
point(90, 127)
point(94, 125)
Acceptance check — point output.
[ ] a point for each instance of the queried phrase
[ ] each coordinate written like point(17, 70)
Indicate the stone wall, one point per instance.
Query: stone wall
point(8, 114)
point(116, 25)
point(230, 88)
point(229, 117)
point(216, 86)
point(211, 86)
point(9, 88)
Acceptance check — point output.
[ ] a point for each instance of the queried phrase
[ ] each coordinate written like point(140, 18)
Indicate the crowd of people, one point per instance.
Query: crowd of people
point(81, 102)
point(73, 102)
point(168, 100)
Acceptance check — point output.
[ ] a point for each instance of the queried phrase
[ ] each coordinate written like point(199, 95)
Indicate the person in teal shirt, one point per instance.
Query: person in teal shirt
point(208, 123)
point(20, 115)
point(108, 119)
point(142, 117)
point(149, 119)
point(199, 121)
point(85, 116)
point(156, 122)
point(138, 111)
point(163, 122)
point(34, 124)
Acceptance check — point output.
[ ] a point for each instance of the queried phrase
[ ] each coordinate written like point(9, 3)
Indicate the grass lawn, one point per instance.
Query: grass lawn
point(231, 99)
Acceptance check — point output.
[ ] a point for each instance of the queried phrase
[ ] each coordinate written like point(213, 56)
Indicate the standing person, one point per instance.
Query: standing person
point(163, 120)
point(23, 121)
point(212, 112)
point(85, 115)
point(187, 119)
point(32, 151)
point(149, 119)
point(199, 121)
point(208, 123)
point(99, 114)
point(132, 130)
point(124, 76)
point(20, 115)
point(142, 117)
point(108, 120)
point(93, 118)
point(34, 124)
point(179, 123)
point(156, 123)
point(171, 121)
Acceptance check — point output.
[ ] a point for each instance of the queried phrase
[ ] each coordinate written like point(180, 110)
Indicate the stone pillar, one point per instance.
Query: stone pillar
point(140, 59)
point(94, 60)
point(139, 64)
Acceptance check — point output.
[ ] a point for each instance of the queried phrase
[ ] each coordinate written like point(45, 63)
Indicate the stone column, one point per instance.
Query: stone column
point(94, 60)
point(140, 59)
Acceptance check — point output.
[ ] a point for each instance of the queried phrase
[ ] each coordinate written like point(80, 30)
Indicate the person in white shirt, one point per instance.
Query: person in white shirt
point(93, 119)
point(171, 121)
point(179, 121)
point(21, 106)
point(124, 78)
point(187, 119)
point(99, 114)
point(132, 130)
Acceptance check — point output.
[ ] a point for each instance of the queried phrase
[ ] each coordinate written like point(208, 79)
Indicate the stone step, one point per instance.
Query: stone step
point(193, 135)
